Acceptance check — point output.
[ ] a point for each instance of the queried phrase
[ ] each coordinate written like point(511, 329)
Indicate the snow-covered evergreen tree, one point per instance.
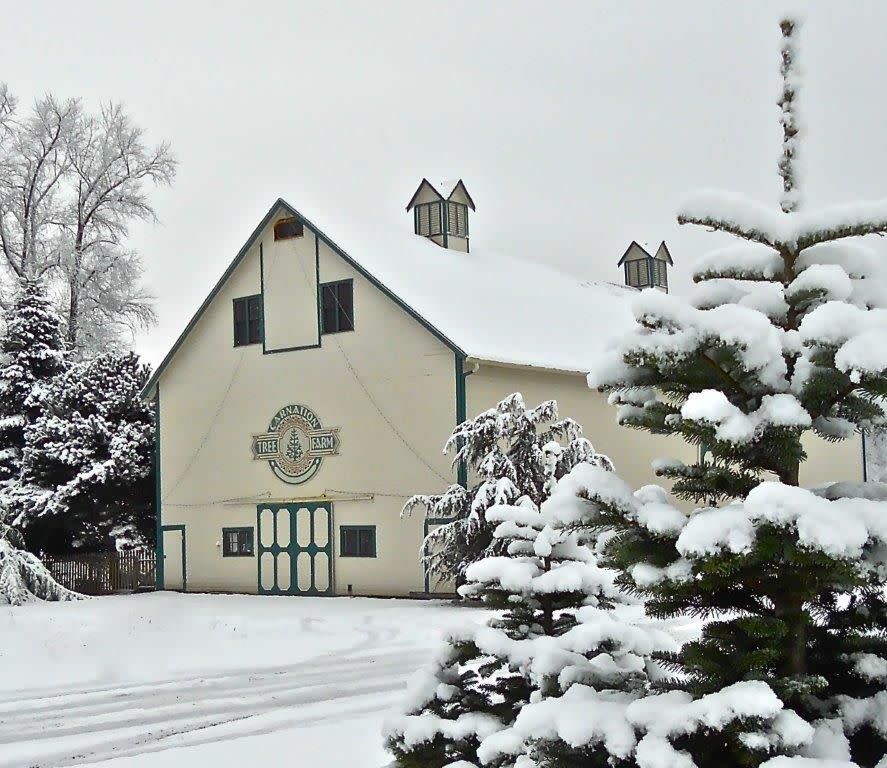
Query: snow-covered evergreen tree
point(509, 450)
point(31, 353)
point(87, 470)
point(559, 623)
point(23, 576)
point(784, 335)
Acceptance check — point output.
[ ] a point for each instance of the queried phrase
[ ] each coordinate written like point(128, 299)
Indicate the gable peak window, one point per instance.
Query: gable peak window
point(337, 306)
point(249, 323)
point(288, 228)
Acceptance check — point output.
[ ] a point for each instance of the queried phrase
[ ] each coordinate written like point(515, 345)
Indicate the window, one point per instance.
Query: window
point(428, 219)
point(337, 306)
point(357, 541)
point(248, 321)
point(237, 542)
point(660, 273)
point(285, 229)
point(637, 273)
point(457, 219)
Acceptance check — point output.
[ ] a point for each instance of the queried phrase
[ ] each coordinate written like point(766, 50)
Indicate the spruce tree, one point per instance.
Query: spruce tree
point(87, 469)
point(31, 354)
point(782, 336)
point(507, 451)
point(554, 626)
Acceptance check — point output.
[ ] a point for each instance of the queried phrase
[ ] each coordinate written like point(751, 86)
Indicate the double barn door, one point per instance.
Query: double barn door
point(295, 549)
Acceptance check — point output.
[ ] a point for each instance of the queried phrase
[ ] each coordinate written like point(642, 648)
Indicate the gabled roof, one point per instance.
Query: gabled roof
point(482, 304)
point(451, 185)
point(661, 253)
point(664, 254)
point(634, 244)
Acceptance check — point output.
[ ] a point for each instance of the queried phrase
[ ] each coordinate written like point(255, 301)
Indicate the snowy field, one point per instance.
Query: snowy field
point(167, 680)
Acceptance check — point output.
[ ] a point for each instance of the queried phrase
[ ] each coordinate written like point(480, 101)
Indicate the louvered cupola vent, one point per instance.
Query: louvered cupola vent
point(444, 220)
point(643, 270)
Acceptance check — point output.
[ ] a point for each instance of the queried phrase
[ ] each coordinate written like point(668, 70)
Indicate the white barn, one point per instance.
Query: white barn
point(313, 389)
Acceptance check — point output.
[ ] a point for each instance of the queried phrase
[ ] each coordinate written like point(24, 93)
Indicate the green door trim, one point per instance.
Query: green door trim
point(293, 549)
point(159, 564)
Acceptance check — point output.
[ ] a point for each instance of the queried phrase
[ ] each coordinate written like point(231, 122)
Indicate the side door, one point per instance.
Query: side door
point(174, 572)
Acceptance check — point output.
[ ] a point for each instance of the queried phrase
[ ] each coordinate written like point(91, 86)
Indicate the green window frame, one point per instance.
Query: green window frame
point(249, 320)
point(238, 542)
point(337, 306)
point(357, 541)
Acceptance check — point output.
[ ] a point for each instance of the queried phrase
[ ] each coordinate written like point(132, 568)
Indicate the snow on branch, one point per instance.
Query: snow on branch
point(752, 220)
point(790, 124)
point(23, 576)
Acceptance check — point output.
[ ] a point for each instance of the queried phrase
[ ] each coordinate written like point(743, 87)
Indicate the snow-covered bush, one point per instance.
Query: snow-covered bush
point(23, 576)
point(512, 452)
point(783, 336)
point(87, 468)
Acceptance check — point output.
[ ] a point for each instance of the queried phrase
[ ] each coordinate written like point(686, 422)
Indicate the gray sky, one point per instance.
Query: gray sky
point(576, 126)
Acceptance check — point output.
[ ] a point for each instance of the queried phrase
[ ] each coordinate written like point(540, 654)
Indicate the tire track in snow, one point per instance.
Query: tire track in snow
point(42, 728)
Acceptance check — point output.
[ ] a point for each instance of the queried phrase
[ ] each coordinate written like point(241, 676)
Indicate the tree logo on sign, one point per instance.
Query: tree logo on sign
point(295, 444)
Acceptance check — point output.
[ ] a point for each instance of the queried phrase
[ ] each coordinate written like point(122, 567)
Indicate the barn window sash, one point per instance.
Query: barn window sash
point(237, 542)
point(249, 322)
point(337, 306)
point(357, 541)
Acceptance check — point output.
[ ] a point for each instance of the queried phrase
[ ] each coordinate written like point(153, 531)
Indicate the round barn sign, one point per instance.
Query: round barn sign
point(295, 444)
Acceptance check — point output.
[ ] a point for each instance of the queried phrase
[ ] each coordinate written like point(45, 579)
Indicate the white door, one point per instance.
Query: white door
point(174, 558)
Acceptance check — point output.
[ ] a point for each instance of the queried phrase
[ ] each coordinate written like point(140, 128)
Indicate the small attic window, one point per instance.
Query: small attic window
point(285, 229)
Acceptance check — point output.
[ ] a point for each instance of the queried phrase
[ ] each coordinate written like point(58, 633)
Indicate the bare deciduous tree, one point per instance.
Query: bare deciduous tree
point(71, 183)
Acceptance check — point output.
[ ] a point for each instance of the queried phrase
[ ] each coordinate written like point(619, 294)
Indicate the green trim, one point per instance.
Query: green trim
point(158, 528)
point(445, 222)
point(281, 203)
point(179, 527)
point(344, 528)
point(461, 411)
point(298, 347)
point(238, 529)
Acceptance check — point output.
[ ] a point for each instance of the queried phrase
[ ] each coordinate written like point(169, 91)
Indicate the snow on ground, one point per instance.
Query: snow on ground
point(168, 680)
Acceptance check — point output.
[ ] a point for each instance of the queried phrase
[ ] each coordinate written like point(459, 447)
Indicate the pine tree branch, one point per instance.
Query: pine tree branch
point(732, 228)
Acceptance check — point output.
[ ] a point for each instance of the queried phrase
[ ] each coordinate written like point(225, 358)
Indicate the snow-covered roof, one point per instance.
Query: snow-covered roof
point(483, 304)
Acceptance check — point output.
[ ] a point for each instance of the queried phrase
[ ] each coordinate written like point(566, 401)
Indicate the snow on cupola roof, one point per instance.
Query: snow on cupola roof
point(456, 189)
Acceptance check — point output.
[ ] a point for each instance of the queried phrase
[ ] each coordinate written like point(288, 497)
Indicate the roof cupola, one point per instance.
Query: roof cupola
point(643, 270)
point(442, 219)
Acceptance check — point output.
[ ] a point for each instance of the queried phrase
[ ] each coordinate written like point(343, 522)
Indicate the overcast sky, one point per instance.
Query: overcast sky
point(576, 126)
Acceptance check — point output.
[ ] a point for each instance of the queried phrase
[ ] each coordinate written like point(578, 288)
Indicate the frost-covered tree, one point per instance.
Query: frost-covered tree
point(31, 354)
point(555, 627)
point(509, 451)
point(23, 576)
point(35, 161)
point(783, 336)
point(110, 168)
point(71, 184)
point(87, 472)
